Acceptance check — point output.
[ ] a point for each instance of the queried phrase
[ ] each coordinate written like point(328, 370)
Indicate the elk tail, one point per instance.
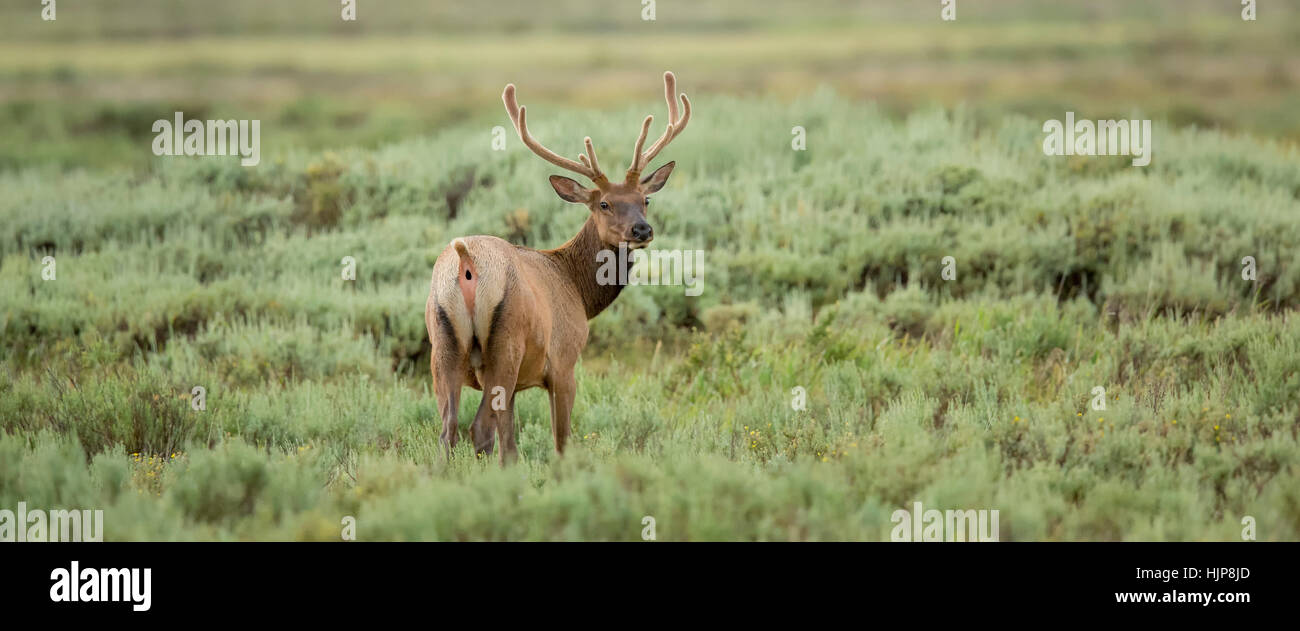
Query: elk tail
point(467, 277)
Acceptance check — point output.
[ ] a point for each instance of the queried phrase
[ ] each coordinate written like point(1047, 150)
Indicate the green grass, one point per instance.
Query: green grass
point(82, 91)
point(822, 271)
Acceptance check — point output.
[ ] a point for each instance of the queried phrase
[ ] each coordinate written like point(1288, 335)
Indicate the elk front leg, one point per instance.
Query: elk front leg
point(483, 429)
point(562, 393)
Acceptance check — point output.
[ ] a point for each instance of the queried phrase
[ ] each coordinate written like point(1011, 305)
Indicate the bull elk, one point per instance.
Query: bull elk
point(503, 318)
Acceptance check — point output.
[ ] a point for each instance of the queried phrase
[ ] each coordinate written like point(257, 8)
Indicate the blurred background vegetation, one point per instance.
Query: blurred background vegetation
point(821, 268)
point(84, 89)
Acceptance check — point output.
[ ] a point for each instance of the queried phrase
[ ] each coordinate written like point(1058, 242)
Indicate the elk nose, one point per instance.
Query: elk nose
point(642, 231)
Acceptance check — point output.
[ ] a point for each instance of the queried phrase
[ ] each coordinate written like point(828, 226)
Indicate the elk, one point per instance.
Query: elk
point(503, 318)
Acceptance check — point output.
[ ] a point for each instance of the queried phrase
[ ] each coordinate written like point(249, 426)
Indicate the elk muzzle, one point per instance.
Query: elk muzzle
point(642, 233)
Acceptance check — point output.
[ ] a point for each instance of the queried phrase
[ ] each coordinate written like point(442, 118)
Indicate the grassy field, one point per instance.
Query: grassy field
point(822, 272)
point(83, 90)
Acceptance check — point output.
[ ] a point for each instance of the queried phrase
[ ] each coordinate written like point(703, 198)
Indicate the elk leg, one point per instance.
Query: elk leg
point(562, 392)
point(482, 429)
point(446, 387)
point(499, 394)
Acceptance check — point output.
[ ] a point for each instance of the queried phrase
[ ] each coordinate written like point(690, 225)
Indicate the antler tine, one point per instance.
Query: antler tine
point(634, 168)
point(590, 158)
point(670, 90)
point(519, 116)
point(675, 126)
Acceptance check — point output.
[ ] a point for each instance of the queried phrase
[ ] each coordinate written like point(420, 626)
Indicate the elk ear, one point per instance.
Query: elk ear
point(569, 190)
point(655, 181)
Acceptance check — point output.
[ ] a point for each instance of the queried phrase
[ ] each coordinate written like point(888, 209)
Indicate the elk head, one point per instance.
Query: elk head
point(618, 208)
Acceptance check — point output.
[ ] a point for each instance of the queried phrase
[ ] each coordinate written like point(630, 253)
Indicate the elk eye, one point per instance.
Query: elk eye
point(647, 201)
point(604, 205)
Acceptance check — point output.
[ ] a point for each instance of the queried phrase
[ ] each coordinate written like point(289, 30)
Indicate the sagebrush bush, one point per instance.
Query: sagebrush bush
point(821, 274)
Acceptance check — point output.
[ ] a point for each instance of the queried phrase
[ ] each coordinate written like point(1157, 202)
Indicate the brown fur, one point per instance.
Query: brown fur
point(510, 317)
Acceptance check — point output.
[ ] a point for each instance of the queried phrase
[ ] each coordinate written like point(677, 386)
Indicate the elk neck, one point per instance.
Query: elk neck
point(578, 260)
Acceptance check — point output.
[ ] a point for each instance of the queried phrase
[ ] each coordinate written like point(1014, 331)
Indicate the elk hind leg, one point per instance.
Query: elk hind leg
point(448, 375)
point(502, 376)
